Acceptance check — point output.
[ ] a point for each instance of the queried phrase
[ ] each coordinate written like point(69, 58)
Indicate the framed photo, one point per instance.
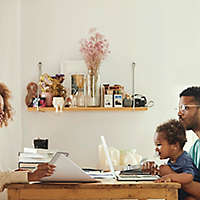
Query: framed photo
point(74, 70)
point(77, 84)
point(117, 100)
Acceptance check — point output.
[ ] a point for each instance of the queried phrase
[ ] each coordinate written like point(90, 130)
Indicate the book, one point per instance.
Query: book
point(31, 158)
point(24, 165)
point(34, 157)
point(34, 150)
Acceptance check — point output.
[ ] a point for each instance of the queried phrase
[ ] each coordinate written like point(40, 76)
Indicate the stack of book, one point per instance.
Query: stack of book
point(30, 158)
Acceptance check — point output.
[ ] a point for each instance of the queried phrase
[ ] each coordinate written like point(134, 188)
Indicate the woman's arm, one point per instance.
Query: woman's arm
point(42, 170)
point(12, 177)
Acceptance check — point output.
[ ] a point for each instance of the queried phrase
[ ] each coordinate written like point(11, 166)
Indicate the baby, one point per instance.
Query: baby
point(169, 140)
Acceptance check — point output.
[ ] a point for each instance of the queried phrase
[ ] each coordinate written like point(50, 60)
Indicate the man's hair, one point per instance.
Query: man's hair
point(192, 91)
point(173, 132)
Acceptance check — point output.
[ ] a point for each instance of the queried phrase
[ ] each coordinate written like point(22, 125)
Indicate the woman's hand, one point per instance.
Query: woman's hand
point(43, 170)
point(150, 167)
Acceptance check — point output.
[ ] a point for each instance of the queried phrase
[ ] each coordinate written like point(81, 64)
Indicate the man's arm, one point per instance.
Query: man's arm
point(192, 188)
point(182, 178)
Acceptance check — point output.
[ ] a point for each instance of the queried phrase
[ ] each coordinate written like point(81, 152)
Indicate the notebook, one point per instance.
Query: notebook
point(132, 177)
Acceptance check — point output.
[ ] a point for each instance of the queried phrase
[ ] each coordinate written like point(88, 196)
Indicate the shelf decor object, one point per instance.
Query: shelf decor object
point(93, 88)
point(69, 109)
point(94, 49)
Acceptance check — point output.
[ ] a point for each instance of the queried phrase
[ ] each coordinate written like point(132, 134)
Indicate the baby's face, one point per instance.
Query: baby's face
point(162, 146)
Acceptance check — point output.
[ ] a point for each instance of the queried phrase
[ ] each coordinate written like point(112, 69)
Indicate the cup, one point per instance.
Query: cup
point(58, 103)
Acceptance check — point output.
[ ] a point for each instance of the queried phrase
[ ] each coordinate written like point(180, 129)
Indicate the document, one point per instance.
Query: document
point(67, 171)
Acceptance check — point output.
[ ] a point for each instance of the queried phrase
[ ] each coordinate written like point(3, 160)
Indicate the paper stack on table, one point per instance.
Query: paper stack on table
point(31, 157)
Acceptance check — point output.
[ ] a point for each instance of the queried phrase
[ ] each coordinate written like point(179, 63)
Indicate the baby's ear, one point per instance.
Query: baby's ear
point(176, 146)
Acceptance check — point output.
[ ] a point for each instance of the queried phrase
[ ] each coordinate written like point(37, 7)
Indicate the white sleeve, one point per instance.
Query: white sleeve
point(12, 177)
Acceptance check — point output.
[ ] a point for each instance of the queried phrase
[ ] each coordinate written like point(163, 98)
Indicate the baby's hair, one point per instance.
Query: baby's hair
point(173, 132)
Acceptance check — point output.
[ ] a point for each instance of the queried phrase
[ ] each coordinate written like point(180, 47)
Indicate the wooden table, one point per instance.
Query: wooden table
point(106, 189)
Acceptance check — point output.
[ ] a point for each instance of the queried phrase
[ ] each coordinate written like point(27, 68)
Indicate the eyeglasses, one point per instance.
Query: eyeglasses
point(183, 108)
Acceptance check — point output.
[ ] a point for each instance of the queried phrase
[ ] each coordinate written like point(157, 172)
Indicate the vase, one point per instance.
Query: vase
point(93, 88)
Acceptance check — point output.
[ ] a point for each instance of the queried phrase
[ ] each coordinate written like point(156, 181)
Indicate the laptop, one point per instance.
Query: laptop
point(130, 177)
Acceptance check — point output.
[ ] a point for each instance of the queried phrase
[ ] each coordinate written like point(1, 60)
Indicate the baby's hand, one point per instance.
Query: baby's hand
point(150, 167)
point(165, 169)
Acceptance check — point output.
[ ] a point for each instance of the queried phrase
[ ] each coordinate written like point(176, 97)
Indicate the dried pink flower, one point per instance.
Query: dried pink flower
point(94, 49)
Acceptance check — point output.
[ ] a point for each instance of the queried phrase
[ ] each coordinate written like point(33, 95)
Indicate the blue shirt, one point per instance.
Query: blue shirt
point(185, 164)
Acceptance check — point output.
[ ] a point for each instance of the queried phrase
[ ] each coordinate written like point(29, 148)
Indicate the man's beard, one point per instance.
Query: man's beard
point(187, 127)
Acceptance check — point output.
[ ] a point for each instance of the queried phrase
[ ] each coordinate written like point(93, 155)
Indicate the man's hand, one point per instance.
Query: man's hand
point(43, 170)
point(165, 179)
point(182, 178)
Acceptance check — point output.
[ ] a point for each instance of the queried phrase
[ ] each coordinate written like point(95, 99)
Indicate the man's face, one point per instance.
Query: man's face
point(189, 113)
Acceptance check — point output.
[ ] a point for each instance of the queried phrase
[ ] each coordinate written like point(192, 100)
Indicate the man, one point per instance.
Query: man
point(6, 177)
point(189, 116)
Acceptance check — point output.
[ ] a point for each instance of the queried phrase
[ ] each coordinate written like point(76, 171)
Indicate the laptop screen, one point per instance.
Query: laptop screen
point(133, 177)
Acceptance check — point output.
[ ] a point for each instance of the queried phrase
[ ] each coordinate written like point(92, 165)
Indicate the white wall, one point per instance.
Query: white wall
point(162, 37)
point(10, 137)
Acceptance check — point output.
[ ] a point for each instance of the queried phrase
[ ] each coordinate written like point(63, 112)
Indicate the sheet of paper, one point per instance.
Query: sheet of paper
point(66, 170)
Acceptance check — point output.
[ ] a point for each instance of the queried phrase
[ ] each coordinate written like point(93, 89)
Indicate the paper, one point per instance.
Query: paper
point(67, 170)
point(101, 175)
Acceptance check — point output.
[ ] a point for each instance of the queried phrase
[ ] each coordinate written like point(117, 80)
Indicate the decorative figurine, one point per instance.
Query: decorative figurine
point(53, 84)
point(32, 89)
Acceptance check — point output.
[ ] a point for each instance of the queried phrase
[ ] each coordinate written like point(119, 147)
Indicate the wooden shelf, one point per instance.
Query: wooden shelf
point(49, 109)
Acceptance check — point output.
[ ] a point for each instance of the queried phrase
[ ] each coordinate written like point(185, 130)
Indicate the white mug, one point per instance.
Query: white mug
point(58, 102)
